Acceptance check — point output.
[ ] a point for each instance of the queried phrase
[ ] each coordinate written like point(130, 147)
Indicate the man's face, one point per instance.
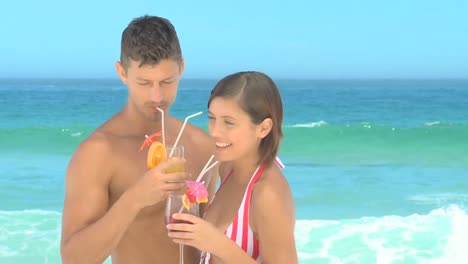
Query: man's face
point(151, 86)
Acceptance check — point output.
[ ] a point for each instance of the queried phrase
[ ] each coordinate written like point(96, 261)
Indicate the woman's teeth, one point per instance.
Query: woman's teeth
point(222, 145)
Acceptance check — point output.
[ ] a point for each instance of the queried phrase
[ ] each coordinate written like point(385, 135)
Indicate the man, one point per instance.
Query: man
point(113, 204)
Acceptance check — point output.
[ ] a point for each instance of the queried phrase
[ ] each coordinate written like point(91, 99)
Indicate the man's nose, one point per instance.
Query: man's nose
point(157, 93)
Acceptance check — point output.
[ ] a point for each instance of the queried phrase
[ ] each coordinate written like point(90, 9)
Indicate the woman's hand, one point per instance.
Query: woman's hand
point(200, 233)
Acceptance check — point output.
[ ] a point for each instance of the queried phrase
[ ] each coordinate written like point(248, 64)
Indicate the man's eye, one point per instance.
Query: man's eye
point(228, 123)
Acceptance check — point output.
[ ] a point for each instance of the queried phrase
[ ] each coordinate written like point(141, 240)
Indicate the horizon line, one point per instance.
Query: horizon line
point(282, 79)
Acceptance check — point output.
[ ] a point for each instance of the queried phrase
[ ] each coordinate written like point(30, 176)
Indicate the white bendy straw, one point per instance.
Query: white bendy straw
point(162, 123)
point(181, 130)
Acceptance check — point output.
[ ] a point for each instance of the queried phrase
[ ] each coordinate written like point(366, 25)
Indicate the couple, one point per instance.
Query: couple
point(114, 206)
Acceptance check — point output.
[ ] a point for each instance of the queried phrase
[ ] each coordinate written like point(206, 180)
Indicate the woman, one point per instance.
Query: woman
point(252, 217)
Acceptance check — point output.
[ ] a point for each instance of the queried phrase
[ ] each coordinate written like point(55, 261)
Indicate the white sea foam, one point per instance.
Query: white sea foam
point(456, 249)
point(77, 134)
point(439, 198)
point(29, 235)
point(311, 124)
point(438, 237)
point(432, 123)
point(73, 134)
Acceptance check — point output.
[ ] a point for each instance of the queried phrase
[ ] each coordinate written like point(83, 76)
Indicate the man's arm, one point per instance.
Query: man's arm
point(90, 229)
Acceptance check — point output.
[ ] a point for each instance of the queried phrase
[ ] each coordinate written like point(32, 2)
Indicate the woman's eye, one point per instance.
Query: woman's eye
point(228, 123)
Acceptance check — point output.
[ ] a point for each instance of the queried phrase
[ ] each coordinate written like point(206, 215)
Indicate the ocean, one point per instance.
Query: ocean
point(378, 168)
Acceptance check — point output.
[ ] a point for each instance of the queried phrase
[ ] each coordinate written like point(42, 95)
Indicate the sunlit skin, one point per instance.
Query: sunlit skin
point(151, 86)
point(237, 139)
point(229, 124)
point(113, 204)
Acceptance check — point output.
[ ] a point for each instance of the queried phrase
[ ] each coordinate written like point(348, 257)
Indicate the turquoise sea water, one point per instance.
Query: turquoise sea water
point(378, 169)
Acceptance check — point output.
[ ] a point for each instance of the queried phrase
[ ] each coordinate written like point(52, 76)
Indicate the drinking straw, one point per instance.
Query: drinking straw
point(206, 165)
point(162, 123)
point(200, 176)
point(205, 171)
point(181, 130)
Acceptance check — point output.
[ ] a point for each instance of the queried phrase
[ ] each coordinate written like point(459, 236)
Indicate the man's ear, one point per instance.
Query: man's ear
point(264, 128)
point(121, 72)
point(181, 67)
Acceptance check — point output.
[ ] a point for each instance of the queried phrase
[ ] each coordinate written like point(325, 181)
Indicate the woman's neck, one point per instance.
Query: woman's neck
point(244, 169)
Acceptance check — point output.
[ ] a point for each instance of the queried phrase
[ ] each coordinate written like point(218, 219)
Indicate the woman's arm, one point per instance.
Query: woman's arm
point(273, 219)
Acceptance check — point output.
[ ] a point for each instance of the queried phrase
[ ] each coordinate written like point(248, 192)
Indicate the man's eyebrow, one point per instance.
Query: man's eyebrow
point(141, 79)
point(170, 78)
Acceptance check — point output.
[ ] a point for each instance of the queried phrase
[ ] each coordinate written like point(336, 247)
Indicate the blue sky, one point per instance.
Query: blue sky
point(286, 39)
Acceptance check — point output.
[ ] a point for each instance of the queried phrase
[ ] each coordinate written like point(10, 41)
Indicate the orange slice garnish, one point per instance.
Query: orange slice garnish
point(156, 154)
point(186, 202)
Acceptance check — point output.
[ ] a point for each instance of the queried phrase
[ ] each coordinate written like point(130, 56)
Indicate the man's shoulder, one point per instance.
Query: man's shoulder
point(199, 135)
point(202, 141)
point(91, 162)
point(193, 134)
point(97, 144)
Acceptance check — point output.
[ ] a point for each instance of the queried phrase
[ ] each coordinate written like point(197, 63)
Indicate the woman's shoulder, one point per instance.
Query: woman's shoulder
point(272, 180)
point(271, 196)
point(272, 188)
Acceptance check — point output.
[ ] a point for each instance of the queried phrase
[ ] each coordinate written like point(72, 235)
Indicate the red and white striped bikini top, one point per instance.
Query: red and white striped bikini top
point(239, 230)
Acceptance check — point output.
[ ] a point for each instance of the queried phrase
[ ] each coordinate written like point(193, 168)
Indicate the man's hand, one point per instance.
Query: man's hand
point(156, 184)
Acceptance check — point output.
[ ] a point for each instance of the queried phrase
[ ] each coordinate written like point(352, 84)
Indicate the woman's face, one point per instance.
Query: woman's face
point(233, 131)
